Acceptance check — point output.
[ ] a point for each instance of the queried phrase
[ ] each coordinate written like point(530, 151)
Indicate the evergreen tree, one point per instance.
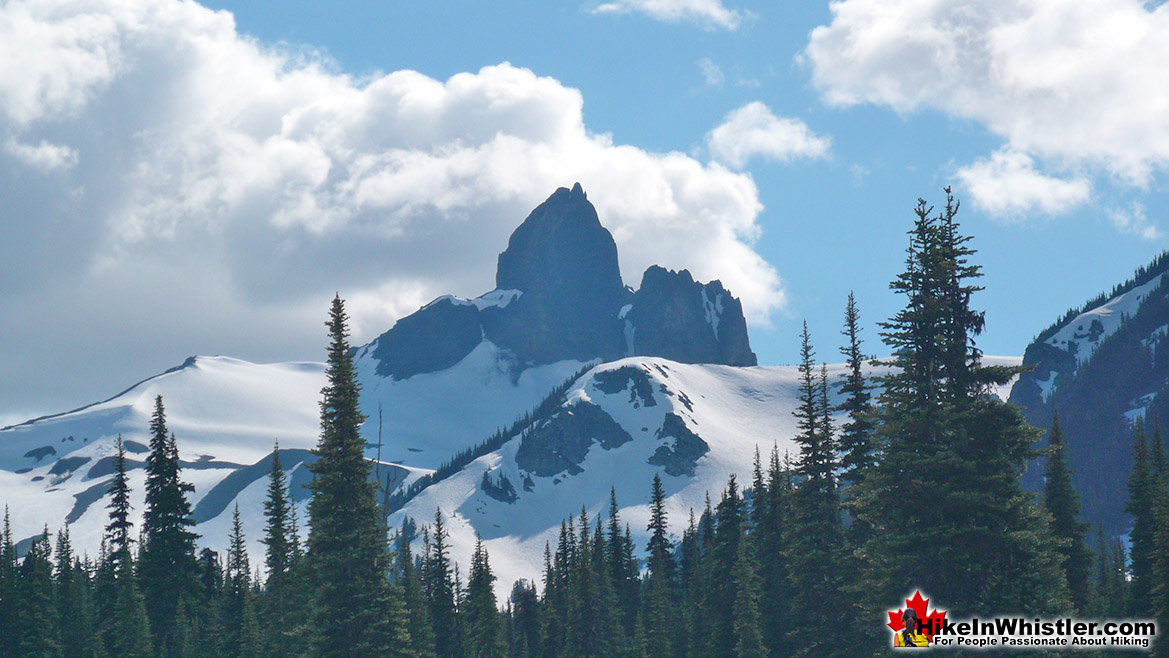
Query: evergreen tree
point(125, 627)
point(1141, 489)
point(812, 537)
point(241, 637)
point(421, 630)
point(770, 550)
point(721, 588)
point(277, 522)
point(660, 559)
point(118, 529)
point(1061, 501)
point(8, 607)
point(855, 446)
point(74, 605)
point(437, 580)
point(944, 501)
point(747, 621)
point(856, 442)
point(37, 632)
point(347, 541)
point(281, 610)
point(167, 555)
point(525, 615)
point(482, 621)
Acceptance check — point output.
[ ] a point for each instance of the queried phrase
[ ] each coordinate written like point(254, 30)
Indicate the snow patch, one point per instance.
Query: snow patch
point(1082, 334)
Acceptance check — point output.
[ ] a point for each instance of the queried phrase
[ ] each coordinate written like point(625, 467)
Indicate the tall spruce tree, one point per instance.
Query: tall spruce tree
point(421, 629)
point(74, 604)
point(241, 626)
point(856, 435)
point(1142, 537)
point(1062, 502)
point(722, 589)
point(117, 534)
point(437, 581)
point(8, 607)
point(37, 631)
point(747, 621)
point(483, 628)
point(125, 627)
point(347, 547)
point(166, 564)
point(944, 502)
point(812, 538)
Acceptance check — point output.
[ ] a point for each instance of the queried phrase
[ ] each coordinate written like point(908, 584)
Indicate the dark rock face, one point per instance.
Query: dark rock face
point(677, 318)
point(630, 378)
point(681, 457)
point(561, 444)
point(563, 262)
point(434, 338)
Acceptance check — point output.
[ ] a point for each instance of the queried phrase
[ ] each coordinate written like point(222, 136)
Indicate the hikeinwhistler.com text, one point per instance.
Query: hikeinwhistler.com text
point(1023, 633)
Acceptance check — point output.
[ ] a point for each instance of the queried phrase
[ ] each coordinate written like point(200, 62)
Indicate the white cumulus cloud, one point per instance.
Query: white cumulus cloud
point(753, 131)
point(209, 193)
point(710, 14)
point(1008, 185)
point(1070, 84)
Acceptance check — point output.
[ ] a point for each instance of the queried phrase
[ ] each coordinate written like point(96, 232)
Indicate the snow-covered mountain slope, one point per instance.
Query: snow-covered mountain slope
point(615, 427)
point(225, 413)
point(1103, 367)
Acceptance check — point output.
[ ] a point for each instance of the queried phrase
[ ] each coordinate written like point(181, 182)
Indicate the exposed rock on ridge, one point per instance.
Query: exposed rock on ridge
point(559, 295)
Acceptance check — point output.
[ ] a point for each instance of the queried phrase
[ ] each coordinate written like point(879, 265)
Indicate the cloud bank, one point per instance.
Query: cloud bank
point(1069, 84)
point(174, 187)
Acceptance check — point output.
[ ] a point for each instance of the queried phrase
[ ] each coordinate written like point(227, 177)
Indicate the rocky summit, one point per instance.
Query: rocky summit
point(559, 296)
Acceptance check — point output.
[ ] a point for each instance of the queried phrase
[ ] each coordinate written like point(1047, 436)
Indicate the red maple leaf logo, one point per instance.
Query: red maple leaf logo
point(919, 606)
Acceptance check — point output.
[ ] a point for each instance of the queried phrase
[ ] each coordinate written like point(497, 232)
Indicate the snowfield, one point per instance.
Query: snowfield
point(226, 415)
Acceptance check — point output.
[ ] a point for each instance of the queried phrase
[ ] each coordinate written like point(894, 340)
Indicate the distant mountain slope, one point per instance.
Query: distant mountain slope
point(440, 381)
point(616, 426)
point(1103, 366)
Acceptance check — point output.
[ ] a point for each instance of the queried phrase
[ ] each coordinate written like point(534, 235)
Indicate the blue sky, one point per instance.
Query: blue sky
point(183, 182)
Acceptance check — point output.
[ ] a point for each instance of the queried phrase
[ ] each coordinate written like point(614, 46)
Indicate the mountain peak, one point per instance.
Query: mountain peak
point(562, 248)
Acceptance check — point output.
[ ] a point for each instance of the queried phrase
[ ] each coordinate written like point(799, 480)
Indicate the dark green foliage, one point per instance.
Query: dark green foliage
point(813, 540)
point(856, 435)
point(241, 627)
point(8, 582)
point(1142, 537)
point(166, 567)
point(1061, 501)
point(747, 621)
point(117, 535)
point(944, 500)
point(74, 599)
point(438, 584)
point(481, 614)
point(347, 552)
point(37, 633)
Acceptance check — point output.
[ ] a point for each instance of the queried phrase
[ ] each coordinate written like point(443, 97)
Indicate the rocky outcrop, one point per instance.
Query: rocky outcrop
point(675, 317)
point(560, 444)
point(434, 338)
point(565, 300)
